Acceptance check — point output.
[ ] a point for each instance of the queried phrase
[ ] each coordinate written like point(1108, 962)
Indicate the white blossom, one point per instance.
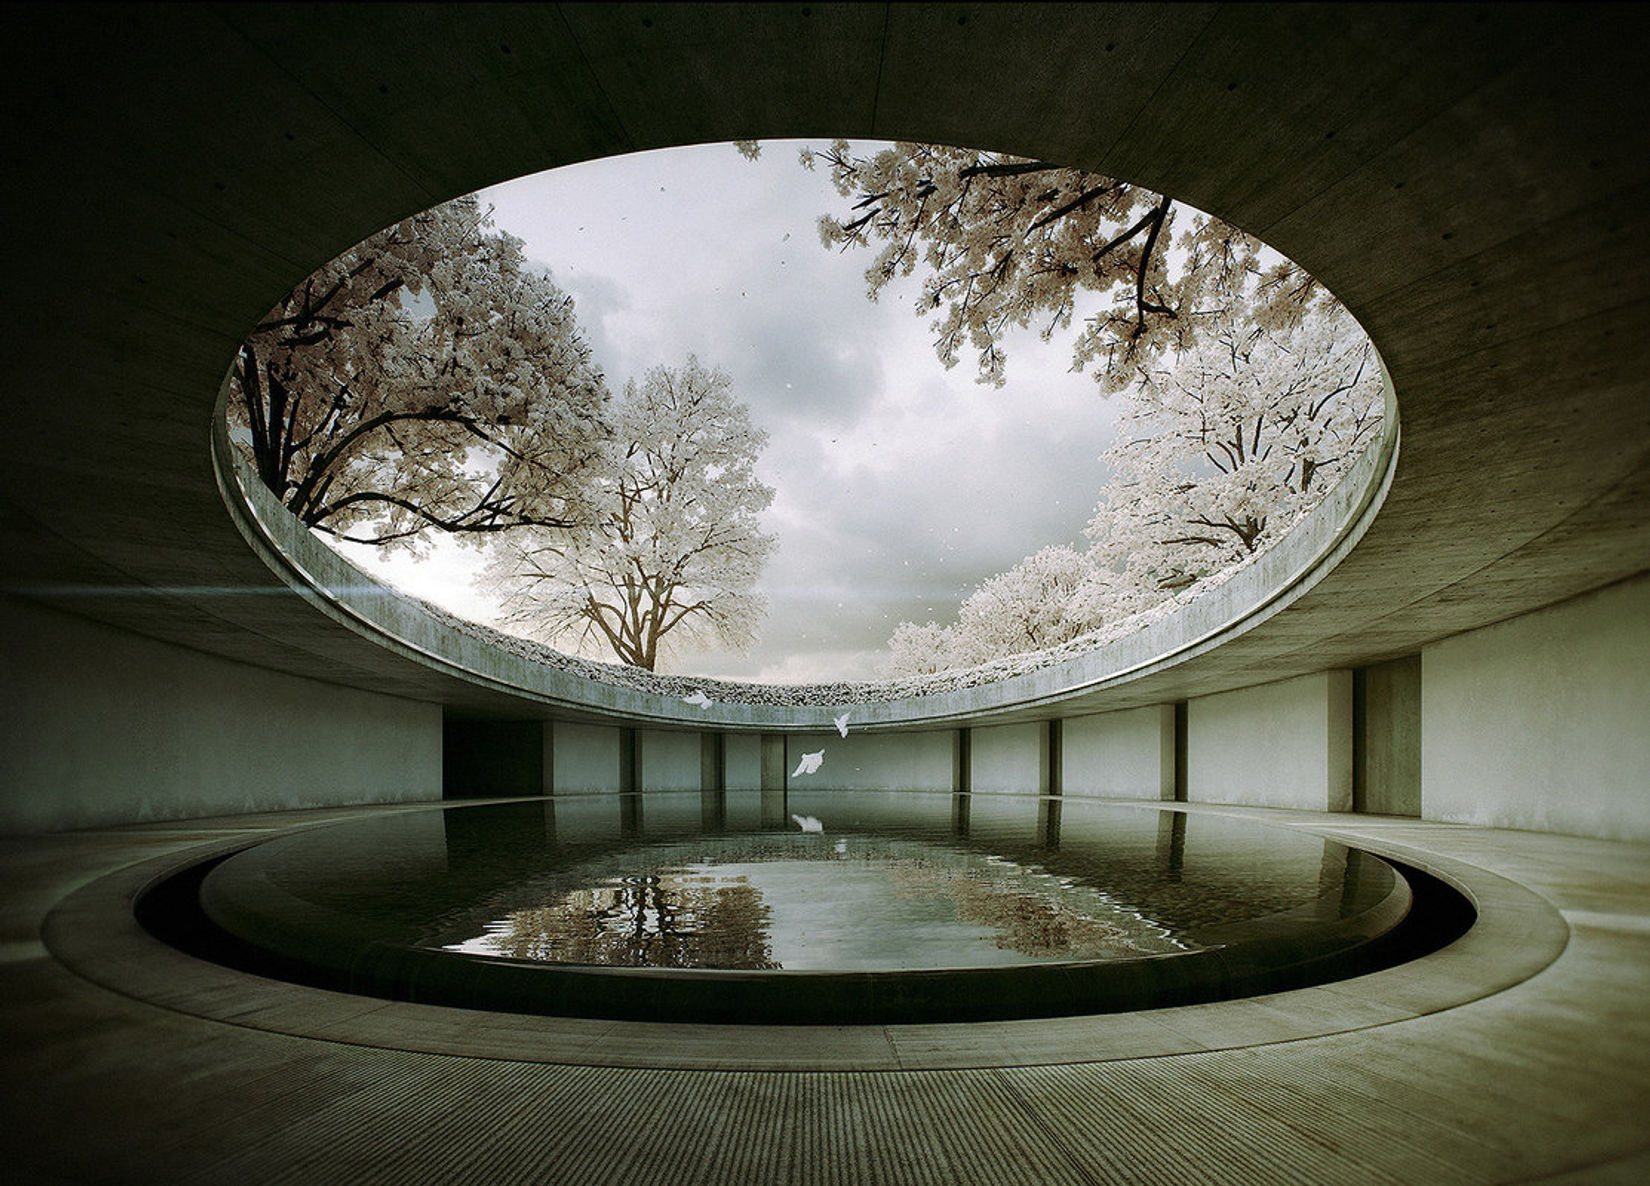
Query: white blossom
point(425, 379)
point(1225, 447)
point(1003, 241)
point(1220, 451)
point(1026, 608)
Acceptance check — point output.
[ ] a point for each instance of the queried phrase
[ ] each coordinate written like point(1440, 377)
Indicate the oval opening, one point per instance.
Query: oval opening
point(1314, 423)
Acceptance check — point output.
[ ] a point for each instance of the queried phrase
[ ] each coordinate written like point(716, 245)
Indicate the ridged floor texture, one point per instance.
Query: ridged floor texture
point(1547, 1080)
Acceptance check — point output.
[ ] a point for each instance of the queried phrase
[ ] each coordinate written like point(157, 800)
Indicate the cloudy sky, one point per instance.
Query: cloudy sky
point(900, 485)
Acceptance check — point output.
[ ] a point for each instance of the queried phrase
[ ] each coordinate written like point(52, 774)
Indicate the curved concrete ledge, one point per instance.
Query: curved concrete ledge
point(1517, 934)
point(1437, 192)
point(1279, 576)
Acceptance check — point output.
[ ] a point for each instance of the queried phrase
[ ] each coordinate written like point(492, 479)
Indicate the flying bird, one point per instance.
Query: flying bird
point(842, 724)
point(808, 823)
point(698, 699)
point(809, 763)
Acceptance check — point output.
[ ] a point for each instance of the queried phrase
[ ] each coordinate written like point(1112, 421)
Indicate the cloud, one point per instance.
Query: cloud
point(901, 485)
point(828, 375)
point(597, 301)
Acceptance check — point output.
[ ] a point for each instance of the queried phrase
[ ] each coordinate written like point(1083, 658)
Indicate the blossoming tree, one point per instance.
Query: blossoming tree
point(1003, 241)
point(1027, 608)
point(1221, 452)
point(428, 378)
point(676, 547)
point(1221, 449)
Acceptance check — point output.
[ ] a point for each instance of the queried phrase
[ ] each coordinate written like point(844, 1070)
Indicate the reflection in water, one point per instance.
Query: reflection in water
point(1171, 843)
point(796, 901)
point(472, 834)
point(630, 815)
point(775, 807)
point(713, 811)
point(1037, 923)
point(1048, 824)
point(666, 920)
point(902, 880)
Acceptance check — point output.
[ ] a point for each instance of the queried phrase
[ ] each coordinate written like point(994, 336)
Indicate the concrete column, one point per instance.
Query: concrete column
point(962, 780)
point(1386, 737)
point(773, 762)
point(962, 761)
point(630, 760)
point(713, 762)
point(1052, 780)
point(548, 741)
point(1181, 742)
point(1338, 688)
point(774, 772)
point(713, 781)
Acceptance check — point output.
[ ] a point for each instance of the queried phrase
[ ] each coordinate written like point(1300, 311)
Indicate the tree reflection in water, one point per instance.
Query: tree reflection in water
point(778, 900)
point(1033, 919)
point(666, 920)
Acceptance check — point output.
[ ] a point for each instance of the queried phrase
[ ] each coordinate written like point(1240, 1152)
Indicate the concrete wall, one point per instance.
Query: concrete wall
point(670, 760)
point(1122, 755)
point(586, 758)
point(742, 753)
point(1286, 744)
point(98, 726)
point(1543, 721)
point(1010, 758)
point(874, 761)
point(1538, 722)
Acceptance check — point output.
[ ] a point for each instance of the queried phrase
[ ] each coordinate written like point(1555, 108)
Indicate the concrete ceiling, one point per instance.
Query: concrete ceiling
point(1471, 181)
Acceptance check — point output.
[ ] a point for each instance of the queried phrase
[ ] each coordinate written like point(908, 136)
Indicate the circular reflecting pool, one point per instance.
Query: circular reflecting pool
point(807, 908)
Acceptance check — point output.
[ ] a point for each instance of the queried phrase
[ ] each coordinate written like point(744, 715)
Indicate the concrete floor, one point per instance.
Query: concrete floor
point(1520, 1054)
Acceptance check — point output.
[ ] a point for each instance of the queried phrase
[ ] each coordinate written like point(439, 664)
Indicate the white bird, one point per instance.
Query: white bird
point(809, 763)
point(808, 823)
point(842, 724)
point(698, 699)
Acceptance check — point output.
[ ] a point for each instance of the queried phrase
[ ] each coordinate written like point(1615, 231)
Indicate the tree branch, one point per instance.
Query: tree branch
point(1078, 202)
